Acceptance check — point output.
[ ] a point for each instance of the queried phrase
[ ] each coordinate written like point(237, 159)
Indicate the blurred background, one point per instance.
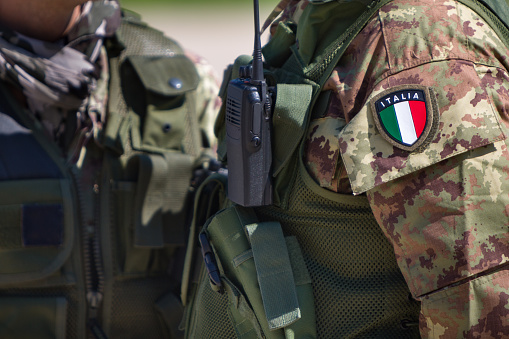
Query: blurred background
point(218, 30)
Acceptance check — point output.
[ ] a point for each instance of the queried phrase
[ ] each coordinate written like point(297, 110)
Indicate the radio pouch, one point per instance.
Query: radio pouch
point(263, 275)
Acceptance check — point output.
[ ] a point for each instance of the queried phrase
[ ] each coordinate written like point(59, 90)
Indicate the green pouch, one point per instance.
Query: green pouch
point(36, 229)
point(277, 50)
point(264, 276)
point(165, 116)
point(155, 205)
point(36, 239)
point(153, 126)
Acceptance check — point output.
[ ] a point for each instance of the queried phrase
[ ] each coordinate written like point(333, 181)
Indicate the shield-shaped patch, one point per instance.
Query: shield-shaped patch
point(406, 116)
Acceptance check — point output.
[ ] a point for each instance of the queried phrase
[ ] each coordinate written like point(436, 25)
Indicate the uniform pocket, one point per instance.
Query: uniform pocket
point(36, 228)
point(167, 117)
point(475, 308)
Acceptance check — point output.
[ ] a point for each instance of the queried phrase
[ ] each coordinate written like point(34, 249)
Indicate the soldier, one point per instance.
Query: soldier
point(396, 193)
point(103, 121)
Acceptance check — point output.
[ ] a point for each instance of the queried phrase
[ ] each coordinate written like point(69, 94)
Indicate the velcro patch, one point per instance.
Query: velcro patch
point(43, 224)
point(406, 116)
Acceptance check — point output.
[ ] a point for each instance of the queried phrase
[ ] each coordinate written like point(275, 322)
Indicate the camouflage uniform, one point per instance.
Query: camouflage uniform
point(444, 205)
point(100, 133)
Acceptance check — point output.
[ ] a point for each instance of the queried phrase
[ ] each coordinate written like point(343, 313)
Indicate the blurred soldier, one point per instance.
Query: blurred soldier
point(103, 121)
point(396, 190)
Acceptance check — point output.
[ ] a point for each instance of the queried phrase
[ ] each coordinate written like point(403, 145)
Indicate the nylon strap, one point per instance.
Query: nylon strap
point(148, 200)
point(495, 13)
point(163, 182)
point(275, 276)
point(220, 182)
point(500, 8)
point(289, 121)
point(320, 70)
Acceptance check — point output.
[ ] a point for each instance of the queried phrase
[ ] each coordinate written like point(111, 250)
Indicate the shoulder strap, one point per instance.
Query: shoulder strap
point(500, 8)
point(208, 199)
point(495, 13)
point(320, 70)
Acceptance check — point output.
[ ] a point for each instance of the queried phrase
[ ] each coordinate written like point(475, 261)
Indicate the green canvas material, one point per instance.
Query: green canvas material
point(500, 8)
point(275, 277)
point(265, 293)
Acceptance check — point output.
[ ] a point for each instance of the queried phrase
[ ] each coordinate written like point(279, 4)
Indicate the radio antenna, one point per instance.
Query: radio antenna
point(257, 52)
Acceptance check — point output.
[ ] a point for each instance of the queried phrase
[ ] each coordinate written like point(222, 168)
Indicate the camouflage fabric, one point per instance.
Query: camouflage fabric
point(58, 78)
point(208, 101)
point(290, 9)
point(444, 208)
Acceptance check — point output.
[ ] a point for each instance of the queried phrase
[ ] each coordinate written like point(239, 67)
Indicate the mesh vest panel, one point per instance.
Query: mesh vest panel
point(358, 288)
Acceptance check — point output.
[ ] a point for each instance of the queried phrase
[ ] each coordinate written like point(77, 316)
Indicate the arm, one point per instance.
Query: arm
point(449, 226)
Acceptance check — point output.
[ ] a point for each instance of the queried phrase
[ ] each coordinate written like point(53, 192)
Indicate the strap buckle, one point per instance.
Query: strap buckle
point(210, 263)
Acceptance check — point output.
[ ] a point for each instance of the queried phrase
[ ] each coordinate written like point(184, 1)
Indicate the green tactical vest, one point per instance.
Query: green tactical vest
point(315, 264)
point(91, 250)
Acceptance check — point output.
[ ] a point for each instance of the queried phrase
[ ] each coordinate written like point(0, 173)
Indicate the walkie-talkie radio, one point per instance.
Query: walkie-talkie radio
point(248, 132)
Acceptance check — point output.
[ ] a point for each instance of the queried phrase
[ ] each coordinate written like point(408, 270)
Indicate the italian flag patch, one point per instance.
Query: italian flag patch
point(405, 115)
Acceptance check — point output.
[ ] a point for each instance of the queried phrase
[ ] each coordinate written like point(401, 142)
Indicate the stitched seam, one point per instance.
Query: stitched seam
point(382, 29)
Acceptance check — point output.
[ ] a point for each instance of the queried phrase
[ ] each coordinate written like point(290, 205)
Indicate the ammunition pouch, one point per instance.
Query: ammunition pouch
point(263, 278)
point(37, 234)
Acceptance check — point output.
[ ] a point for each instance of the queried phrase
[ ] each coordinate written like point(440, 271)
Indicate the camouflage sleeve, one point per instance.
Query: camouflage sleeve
point(429, 149)
point(208, 101)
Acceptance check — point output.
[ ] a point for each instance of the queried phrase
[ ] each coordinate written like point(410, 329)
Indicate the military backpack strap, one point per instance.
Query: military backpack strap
point(208, 199)
point(498, 7)
point(495, 13)
point(320, 70)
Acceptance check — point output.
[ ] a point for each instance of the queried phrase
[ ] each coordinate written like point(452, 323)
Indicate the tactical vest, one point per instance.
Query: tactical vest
point(93, 249)
point(315, 264)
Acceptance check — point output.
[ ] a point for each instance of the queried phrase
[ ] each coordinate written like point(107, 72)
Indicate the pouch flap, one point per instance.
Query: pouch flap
point(275, 276)
point(166, 76)
point(163, 184)
point(290, 112)
point(277, 50)
point(372, 159)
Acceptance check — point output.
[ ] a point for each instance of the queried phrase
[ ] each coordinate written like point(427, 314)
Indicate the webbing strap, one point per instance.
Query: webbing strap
point(320, 70)
point(500, 8)
point(148, 226)
point(289, 120)
point(200, 198)
point(163, 182)
point(275, 276)
point(495, 13)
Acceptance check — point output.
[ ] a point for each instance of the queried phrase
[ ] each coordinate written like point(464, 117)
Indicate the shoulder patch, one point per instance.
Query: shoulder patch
point(406, 116)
